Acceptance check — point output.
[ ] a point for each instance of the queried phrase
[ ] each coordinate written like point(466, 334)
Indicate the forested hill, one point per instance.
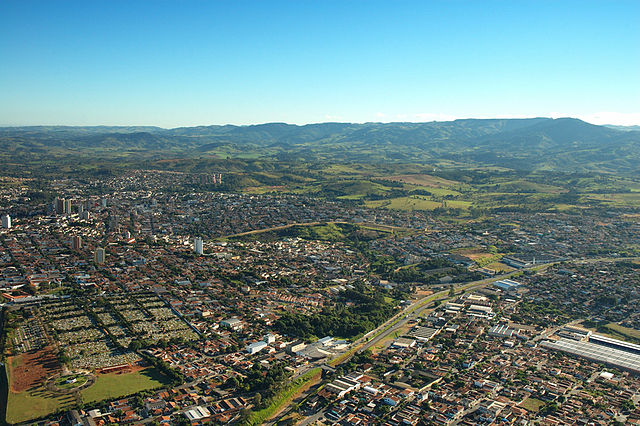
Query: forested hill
point(563, 144)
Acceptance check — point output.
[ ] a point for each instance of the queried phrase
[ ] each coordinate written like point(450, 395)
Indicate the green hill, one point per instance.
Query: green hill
point(563, 144)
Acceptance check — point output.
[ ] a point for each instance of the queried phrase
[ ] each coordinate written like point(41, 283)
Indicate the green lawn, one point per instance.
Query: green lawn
point(114, 385)
point(80, 380)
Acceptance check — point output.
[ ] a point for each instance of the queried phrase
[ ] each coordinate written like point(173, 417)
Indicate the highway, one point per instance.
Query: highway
point(385, 329)
point(413, 310)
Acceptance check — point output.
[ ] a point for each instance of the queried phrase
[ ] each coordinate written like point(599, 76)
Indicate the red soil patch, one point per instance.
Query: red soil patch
point(124, 368)
point(32, 369)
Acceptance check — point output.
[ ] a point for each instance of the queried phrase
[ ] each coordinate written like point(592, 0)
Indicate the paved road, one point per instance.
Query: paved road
point(398, 320)
point(388, 228)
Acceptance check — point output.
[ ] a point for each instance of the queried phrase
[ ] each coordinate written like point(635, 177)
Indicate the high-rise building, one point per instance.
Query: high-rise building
point(197, 245)
point(76, 242)
point(60, 202)
point(100, 255)
point(85, 215)
point(6, 221)
point(67, 207)
point(113, 221)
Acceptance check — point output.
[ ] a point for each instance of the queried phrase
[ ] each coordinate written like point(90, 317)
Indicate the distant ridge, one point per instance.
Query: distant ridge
point(563, 144)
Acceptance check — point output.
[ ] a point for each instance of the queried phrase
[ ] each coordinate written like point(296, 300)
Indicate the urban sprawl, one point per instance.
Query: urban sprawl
point(125, 301)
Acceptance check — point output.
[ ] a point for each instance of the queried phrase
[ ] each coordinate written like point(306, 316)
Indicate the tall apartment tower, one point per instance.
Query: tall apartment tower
point(76, 242)
point(60, 202)
point(100, 255)
point(6, 221)
point(67, 207)
point(197, 245)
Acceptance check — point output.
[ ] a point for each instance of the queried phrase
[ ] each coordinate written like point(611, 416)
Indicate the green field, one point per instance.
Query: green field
point(405, 203)
point(38, 402)
point(34, 403)
point(114, 385)
point(630, 199)
point(532, 404)
point(81, 379)
point(626, 333)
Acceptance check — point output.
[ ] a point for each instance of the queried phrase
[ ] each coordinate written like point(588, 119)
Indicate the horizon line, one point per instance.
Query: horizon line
point(311, 123)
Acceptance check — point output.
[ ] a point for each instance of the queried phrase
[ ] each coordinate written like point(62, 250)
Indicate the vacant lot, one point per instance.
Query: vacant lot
point(114, 385)
point(626, 333)
point(532, 404)
point(32, 368)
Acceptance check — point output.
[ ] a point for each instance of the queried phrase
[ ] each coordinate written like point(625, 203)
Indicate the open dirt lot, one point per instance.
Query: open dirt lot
point(31, 369)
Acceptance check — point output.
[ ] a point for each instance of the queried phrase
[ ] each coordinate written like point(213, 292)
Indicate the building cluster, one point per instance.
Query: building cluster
point(117, 274)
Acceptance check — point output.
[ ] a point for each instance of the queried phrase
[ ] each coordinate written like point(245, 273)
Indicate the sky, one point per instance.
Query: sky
point(187, 63)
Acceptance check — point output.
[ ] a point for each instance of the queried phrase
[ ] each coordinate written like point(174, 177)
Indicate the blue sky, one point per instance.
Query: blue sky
point(183, 63)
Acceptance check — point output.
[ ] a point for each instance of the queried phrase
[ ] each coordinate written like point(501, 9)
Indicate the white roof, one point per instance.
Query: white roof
point(197, 413)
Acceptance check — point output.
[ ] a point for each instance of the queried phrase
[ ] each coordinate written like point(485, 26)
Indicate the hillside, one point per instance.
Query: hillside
point(525, 144)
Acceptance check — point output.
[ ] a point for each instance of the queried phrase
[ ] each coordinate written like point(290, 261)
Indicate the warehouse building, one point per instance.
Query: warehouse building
point(613, 355)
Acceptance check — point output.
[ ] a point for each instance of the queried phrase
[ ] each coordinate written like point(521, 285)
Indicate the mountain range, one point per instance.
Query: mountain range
point(563, 144)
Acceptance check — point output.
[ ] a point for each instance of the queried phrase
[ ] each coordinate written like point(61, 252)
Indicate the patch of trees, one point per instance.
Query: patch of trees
point(430, 271)
point(265, 382)
point(174, 376)
point(369, 310)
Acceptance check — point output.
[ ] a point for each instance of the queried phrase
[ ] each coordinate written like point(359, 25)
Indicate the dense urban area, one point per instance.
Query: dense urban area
point(161, 297)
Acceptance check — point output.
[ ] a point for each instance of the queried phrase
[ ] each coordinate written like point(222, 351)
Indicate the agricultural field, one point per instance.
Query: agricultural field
point(405, 203)
point(422, 180)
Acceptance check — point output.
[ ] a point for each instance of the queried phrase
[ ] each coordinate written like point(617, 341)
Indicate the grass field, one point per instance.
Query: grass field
point(422, 180)
point(626, 333)
point(631, 199)
point(500, 267)
point(34, 403)
point(114, 385)
point(81, 379)
point(404, 203)
point(532, 404)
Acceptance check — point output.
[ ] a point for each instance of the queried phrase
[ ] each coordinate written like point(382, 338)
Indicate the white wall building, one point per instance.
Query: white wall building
point(99, 257)
point(6, 221)
point(197, 245)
